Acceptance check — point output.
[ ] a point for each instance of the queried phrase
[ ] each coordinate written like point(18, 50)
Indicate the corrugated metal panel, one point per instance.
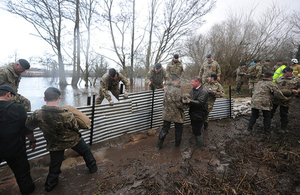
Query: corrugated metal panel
point(126, 116)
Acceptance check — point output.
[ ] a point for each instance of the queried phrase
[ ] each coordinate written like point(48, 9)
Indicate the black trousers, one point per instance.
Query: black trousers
point(196, 127)
point(56, 157)
point(284, 111)
point(255, 115)
point(20, 166)
point(165, 130)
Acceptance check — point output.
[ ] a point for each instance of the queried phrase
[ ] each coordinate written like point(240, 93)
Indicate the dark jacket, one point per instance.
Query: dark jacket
point(198, 105)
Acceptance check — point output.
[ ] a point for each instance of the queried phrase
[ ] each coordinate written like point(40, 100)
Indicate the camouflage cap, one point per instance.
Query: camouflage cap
point(7, 88)
point(24, 63)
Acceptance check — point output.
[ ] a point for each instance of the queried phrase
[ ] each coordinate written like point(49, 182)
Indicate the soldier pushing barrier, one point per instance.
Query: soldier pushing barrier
point(61, 132)
point(11, 75)
point(110, 82)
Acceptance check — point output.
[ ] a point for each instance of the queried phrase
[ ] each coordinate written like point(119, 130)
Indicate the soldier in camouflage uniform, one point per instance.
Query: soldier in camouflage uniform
point(277, 65)
point(288, 84)
point(265, 92)
point(175, 66)
point(240, 77)
point(11, 75)
point(255, 74)
point(266, 66)
point(61, 132)
point(209, 67)
point(173, 111)
point(215, 90)
point(156, 77)
point(110, 81)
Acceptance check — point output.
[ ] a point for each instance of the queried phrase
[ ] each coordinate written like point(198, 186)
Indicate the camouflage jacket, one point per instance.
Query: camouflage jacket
point(296, 70)
point(240, 74)
point(215, 90)
point(290, 83)
point(174, 67)
point(107, 84)
point(264, 94)
point(172, 105)
point(58, 125)
point(157, 78)
point(255, 73)
point(209, 68)
point(8, 76)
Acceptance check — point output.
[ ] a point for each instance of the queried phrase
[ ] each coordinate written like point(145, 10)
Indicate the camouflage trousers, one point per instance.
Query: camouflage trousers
point(239, 84)
point(210, 108)
point(252, 85)
point(115, 92)
point(23, 101)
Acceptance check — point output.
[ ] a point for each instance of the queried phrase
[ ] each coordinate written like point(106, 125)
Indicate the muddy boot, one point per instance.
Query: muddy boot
point(93, 167)
point(177, 143)
point(205, 125)
point(199, 141)
point(51, 182)
point(237, 91)
point(159, 144)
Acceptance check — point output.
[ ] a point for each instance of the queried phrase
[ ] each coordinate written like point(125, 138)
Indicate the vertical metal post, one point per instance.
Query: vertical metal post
point(121, 89)
point(92, 120)
point(152, 108)
point(229, 101)
point(88, 101)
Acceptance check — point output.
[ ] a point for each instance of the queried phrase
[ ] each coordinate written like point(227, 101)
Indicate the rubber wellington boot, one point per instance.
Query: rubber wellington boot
point(199, 141)
point(159, 144)
point(51, 181)
point(205, 125)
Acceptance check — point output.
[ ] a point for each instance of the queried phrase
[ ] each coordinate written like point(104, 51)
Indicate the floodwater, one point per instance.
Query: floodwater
point(33, 89)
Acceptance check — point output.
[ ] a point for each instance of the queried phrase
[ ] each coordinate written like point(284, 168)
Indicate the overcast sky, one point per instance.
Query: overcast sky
point(16, 37)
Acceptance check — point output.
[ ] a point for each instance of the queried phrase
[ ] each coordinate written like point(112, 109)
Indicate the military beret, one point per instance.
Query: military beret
point(287, 92)
point(215, 76)
point(252, 63)
point(255, 61)
point(268, 73)
point(112, 72)
point(7, 88)
point(52, 89)
point(242, 64)
point(158, 66)
point(24, 63)
point(287, 69)
point(176, 56)
point(267, 60)
point(279, 60)
point(208, 56)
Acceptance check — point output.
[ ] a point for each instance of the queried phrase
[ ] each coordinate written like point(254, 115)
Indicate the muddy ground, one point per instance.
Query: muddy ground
point(233, 161)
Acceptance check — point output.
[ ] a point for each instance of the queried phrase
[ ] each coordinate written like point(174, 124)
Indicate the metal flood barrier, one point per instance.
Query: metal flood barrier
point(126, 116)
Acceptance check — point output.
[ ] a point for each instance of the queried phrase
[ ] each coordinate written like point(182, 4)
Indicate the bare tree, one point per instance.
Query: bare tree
point(180, 17)
point(46, 16)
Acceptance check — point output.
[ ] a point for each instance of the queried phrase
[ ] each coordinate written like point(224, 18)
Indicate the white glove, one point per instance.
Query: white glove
point(125, 95)
point(111, 102)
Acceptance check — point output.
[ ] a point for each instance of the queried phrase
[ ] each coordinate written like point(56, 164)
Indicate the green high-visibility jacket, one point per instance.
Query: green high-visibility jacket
point(278, 73)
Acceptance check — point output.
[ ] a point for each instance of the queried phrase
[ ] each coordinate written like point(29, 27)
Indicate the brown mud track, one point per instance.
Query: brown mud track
point(233, 161)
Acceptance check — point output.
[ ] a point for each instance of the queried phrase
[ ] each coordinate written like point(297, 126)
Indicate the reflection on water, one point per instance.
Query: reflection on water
point(33, 89)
